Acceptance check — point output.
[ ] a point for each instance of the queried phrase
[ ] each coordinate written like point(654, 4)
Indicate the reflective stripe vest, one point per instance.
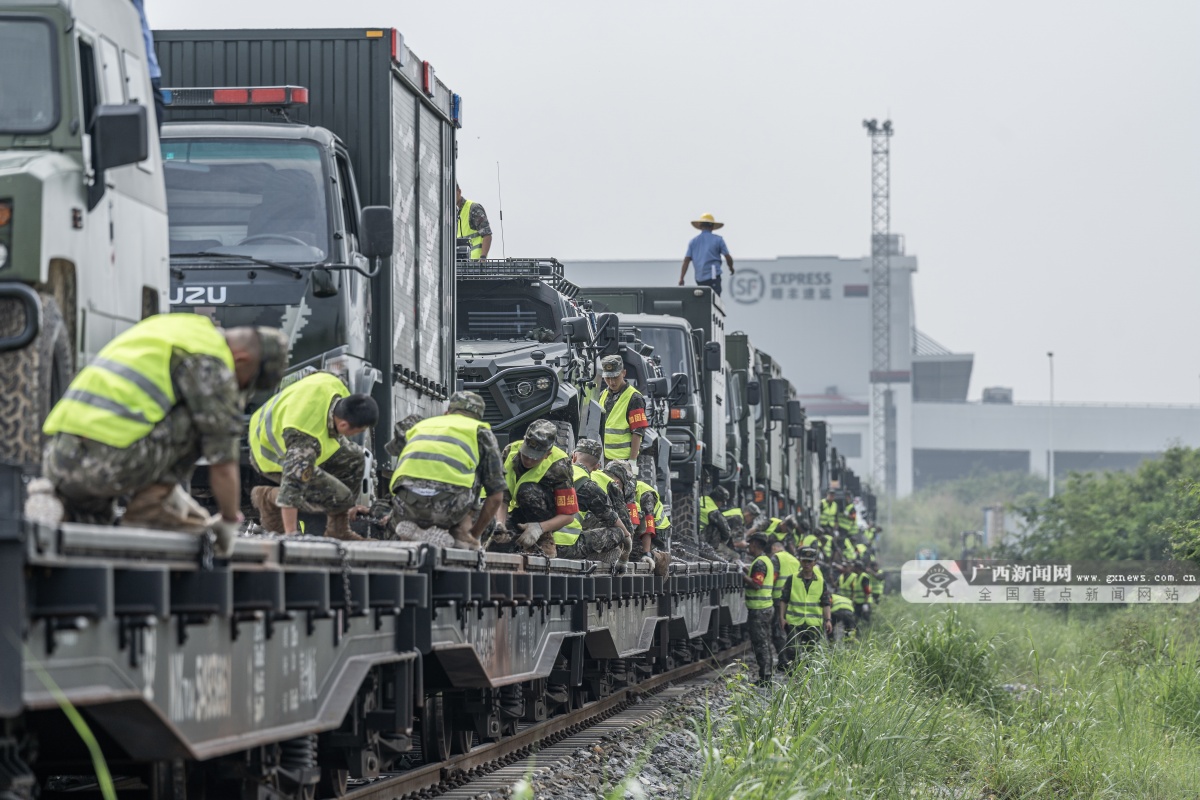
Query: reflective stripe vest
point(707, 506)
point(530, 475)
point(759, 597)
point(851, 586)
point(119, 397)
point(444, 449)
point(841, 603)
point(733, 513)
point(302, 406)
point(789, 566)
point(845, 521)
point(465, 231)
point(829, 511)
point(659, 520)
point(618, 437)
point(810, 541)
point(804, 605)
point(774, 530)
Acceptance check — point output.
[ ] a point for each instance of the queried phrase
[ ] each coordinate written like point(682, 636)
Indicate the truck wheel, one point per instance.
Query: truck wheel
point(684, 515)
point(32, 380)
point(565, 440)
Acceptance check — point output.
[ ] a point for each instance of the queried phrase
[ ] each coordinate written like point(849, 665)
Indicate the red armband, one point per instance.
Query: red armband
point(565, 501)
point(637, 418)
point(650, 525)
point(634, 516)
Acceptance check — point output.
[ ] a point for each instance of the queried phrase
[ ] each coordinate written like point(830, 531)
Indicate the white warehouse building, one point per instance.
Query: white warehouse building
point(813, 315)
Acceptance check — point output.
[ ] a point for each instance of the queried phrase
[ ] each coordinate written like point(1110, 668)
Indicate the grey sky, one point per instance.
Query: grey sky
point(1045, 168)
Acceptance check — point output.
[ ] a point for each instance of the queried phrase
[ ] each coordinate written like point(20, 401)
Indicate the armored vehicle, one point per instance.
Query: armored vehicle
point(83, 216)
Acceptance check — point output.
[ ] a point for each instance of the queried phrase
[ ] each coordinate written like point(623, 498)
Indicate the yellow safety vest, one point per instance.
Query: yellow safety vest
point(809, 541)
point(829, 510)
point(530, 475)
point(841, 603)
point(732, 512)
point(773, 529)
point(758, 598)
point(465, 231)
point(661, 523)
point(618, 437)
point(804, 605)
point(852, 585)
point(789, 566)
point(119, 397)
point(443, 449)
point(707, 506)
point(303, 406)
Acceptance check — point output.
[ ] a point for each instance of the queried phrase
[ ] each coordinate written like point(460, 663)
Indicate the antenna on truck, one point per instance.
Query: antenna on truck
point(503, 249)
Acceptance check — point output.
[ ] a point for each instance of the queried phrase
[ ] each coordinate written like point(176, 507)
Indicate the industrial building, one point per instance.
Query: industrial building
point(813, 314)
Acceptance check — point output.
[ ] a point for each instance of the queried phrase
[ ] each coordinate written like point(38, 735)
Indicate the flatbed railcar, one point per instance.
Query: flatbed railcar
point(299, 663)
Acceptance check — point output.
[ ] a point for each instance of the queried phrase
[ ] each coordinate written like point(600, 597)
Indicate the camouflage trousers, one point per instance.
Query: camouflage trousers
point(334, 486)
point(806, 636)
point(89, 475)
point(443, 509)
point(779, 639)
point(759, 622)
point(606, 545)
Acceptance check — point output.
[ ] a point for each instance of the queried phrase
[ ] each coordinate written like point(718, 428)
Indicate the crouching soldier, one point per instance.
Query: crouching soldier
point(597, 532)
point(540, 491)
point(155, 400)
point(654, 530)
point(300, 440)
point(444, 463)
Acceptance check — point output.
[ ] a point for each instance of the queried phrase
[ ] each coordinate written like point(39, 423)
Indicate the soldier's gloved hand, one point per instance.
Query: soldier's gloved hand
point(226, 532)
point(531, 532)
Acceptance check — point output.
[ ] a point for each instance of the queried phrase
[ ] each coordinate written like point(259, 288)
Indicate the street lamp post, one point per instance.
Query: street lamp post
point(1050, 417)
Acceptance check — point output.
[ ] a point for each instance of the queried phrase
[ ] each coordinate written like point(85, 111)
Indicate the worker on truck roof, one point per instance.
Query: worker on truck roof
point(705, 251)
point(473, 225)
point(445, 463)
point(156, 399)
point(300, 441)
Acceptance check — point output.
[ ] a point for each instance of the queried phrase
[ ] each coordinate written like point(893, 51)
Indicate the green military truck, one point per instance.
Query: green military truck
point(83, 219)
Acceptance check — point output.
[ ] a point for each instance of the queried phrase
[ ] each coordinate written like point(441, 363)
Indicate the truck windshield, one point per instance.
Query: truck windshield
point(28, 89)
point(505, 316)
point(670, 344)
point(258, 197)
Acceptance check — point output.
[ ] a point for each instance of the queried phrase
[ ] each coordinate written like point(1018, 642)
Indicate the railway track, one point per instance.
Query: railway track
point(457, 776)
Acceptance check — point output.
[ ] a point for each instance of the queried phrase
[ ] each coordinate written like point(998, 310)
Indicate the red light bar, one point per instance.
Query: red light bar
point(430, 85)
point(398, 47)
point(242, 96)
point(227, 96)
point(274, 94)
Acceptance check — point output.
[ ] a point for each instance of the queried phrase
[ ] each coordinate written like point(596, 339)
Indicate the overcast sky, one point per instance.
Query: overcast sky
point(1045, 168)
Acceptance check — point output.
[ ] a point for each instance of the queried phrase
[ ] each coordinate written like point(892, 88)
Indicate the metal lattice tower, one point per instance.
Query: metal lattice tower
point(881, 305)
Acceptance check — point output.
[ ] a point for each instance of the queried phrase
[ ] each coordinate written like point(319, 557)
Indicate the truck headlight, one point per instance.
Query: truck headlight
point(524, 389)
point(543, 384)
point(3, 255)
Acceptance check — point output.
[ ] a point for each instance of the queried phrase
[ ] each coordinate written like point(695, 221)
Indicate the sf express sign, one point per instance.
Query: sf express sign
point(749, 286)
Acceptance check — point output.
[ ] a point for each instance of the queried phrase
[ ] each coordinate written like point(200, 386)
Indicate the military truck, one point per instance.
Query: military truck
point(750, 417)
point(686, 326)
point(525, 344)
point(326, 212)
point(83, 215)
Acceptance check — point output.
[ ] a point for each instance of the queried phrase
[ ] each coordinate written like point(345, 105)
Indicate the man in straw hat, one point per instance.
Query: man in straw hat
point(705, 250)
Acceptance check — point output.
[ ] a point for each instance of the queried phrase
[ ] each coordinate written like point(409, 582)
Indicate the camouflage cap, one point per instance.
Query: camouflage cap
point(611, 367)
point(720, 494)
point(622, 471)
point(273, 358)
point(539, 438)
point(752, 508)
point(589, 447)
point(466, 403)
point(761, 539)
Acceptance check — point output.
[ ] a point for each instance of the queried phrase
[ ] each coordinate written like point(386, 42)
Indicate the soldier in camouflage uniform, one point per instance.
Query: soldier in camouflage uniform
point(306, 419)
point(760, 579)
point(540, 491)
point(89, 474)
point(603, 534)
point(436, 511)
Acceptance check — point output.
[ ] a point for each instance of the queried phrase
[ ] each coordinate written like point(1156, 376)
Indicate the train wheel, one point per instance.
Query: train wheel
point(435, 731)
point(334, 782)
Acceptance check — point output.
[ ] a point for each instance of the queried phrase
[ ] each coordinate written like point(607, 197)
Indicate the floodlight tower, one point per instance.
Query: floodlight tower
point(882, 435)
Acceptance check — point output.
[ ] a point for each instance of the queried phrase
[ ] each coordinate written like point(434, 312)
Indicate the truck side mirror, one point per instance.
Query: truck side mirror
point(753, 393)
point(657, 387)
point(712, 356)
point(607, 339)
point(681, 388)
point(795, 414)
point(575, 330)
point(322, 283)
point(376, 232)
point(777, 388)
point(778, 414)
point(795, 431)
point(119, 136)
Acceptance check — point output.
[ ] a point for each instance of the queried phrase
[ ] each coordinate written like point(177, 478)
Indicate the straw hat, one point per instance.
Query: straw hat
point(707, 218)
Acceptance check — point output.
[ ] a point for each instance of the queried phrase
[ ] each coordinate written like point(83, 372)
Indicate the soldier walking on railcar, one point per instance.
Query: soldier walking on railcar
point(444, 464)
point(759, 580)
point(300, 441)
point(155, 400)
point(540, 491)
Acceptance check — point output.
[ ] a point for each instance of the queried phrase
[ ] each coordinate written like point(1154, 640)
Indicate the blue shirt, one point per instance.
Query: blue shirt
point(151, 58)
point(705, 251)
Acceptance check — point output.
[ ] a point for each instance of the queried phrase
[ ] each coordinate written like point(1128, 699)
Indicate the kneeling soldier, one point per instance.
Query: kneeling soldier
point(597, 533)
point(540, 491)
point(300, 439)
point(444, 464)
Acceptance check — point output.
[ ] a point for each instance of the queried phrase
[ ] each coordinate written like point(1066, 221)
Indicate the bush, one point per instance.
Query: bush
point(951, 658)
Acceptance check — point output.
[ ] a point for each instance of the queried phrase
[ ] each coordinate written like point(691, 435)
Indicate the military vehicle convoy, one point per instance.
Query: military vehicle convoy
point(83, 215)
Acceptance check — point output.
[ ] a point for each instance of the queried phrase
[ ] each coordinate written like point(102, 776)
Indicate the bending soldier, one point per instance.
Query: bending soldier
point(714, 526)
point(300, 440)
point(444, 464)
point(540, 491)
point(654, 529)
point(842, 614)
point(156, 399)
point(597, 533)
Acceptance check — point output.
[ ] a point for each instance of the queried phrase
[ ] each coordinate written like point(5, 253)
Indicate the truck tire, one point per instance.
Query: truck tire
point(565, 440)
point(32, 380)
point(684, 516)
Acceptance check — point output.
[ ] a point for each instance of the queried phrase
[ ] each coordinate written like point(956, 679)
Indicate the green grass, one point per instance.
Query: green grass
point(1101, 704)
